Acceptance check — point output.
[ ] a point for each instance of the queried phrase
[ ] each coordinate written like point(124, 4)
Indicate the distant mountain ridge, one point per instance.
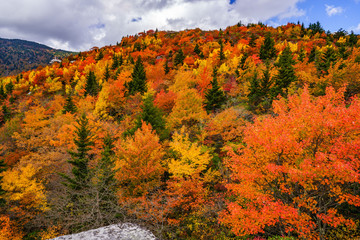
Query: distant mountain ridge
point(20, 55)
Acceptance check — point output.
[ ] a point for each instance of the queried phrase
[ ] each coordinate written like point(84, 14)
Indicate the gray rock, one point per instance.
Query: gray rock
point(125, 231)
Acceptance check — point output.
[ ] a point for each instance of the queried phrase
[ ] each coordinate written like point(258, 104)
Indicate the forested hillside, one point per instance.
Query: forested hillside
point(19, 55)
point(250, 132)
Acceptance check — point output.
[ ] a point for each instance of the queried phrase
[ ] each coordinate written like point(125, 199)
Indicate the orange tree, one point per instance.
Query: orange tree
point(297, 172)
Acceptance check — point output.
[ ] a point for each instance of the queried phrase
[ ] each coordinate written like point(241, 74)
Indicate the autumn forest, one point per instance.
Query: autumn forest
point(248, 132)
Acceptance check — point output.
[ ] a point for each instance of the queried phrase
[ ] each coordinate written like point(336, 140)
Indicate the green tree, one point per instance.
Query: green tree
point(3, 168)
point(312, 54)
point(152, 115)
point(197, 49)
point(214, 97)
point(91, 87)
point(221, 53)
point(2, 92)
point(286, 73)
point(81, 157)
point(179, 57)
point(106, 73)
point(260, 89)
point(166, 67)
point(267, 49)
point(69, 105)
point(138, 82)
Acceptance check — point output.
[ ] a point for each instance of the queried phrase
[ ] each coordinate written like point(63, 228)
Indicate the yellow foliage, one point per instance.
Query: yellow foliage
point(183, 79)
point(22, 187)
point(190, 158)
point(102, 103)
point(54, 84)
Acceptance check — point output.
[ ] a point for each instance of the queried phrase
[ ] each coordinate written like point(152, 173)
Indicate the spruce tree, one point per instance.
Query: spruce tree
point(221, 53)
point(91, 86)
point(2, 92)
point(6, 112)
point(152, 115)
point(197, 49)
point(214, 97)
point(312, 55)
point(166, 67)
point(106, 184)
point(286, 73)
point(267, 49)
point(69, 105)
point(260, 89)
point(106, 73)
point(115, 62)
point(80, 158)
point(179, 57)
point(138, 82)
point(3, 168)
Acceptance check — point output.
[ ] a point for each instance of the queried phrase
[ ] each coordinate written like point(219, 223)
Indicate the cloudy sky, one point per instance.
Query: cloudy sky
point(79, 25)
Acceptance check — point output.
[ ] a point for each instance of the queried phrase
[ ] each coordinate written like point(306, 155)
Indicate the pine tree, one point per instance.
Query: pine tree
point(138, 82)
point(179, 58)
point(9, 88)
point(286, 73)
point(91, 87)
point(115, 62)
point(2, 92)
point(260, 89)
point(69, 105)
point(312, 55)
point(106, 184)
point(267, 49)
point(3, 168)
point(214, 97)
point(152, 115)
point(221, 53)
point(80, 158)
point(197, 49)
point(166, 67)
point(6, 112)
point(106, 73)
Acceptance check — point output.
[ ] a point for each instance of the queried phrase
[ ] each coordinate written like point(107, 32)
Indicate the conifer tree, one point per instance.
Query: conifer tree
point(312, 55)
point(214, 97)
point(286, 73)
point(138, 82)
point(179, 57)
point(267, 49)
point(166, 67)
point(197, 49)
point(152, 115)
point(3, 168)
point(106, 73)
point(259, 89)
point(91, 87)
point(80, 158)
point(115, 62)
point(106, 184)
point(69, 105)
point(221, 53)
point(6, 112)
point(2, 92)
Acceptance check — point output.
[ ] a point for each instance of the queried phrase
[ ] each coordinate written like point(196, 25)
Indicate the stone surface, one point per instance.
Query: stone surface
point(125, 231)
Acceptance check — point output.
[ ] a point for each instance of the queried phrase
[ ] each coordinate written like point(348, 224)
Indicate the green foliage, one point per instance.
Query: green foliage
point(312, 55)
point(166, 67)
point(197, 49)
point(3, 168)
point(138, 82)
point(214, 97)
point(106, 73)
point(316, 28)
point(221, 53)
point(81, 157)
point(152, 115)
point(179, 57)
point(286, 73)
point(267, 49)
point(69, 105)
point(91, 87)
point(2, 92)
point(259, 95)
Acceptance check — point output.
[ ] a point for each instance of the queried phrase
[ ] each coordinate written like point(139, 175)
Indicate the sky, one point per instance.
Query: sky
point(79, 25)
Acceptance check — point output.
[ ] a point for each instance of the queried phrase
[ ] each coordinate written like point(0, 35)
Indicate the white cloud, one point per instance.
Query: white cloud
point(332, 10)
point(82, 24)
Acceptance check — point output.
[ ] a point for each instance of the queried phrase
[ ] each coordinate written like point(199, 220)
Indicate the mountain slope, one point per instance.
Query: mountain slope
point(20, 55)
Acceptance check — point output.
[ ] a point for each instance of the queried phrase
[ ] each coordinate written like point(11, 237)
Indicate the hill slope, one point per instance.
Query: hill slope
point(251, 132)
point(20, 55)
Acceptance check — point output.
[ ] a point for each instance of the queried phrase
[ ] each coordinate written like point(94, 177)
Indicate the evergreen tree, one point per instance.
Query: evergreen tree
point(267, 49)
point(152, 115)
point(214, 97)
point(91, 87)
point(80, 158)
point(115, 62)
point(106, 184)
point(221, 53)
point(9, 88)
point(260, 89)
point(252, 40)
point(166, 67)
point(286, 73)
point(138, 82)
point(179, 58)
point(3, 168)
point(316, 28)
point(6, 112)
point(352, 40)
point(312, 54)
point(69, 105)
point(2, 92)
point(106, 73)
point(197, 49)
point(301, 55)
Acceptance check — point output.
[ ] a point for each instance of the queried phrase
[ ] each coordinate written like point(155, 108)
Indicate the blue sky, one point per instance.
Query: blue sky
point(332, 14)
point(82, 24)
